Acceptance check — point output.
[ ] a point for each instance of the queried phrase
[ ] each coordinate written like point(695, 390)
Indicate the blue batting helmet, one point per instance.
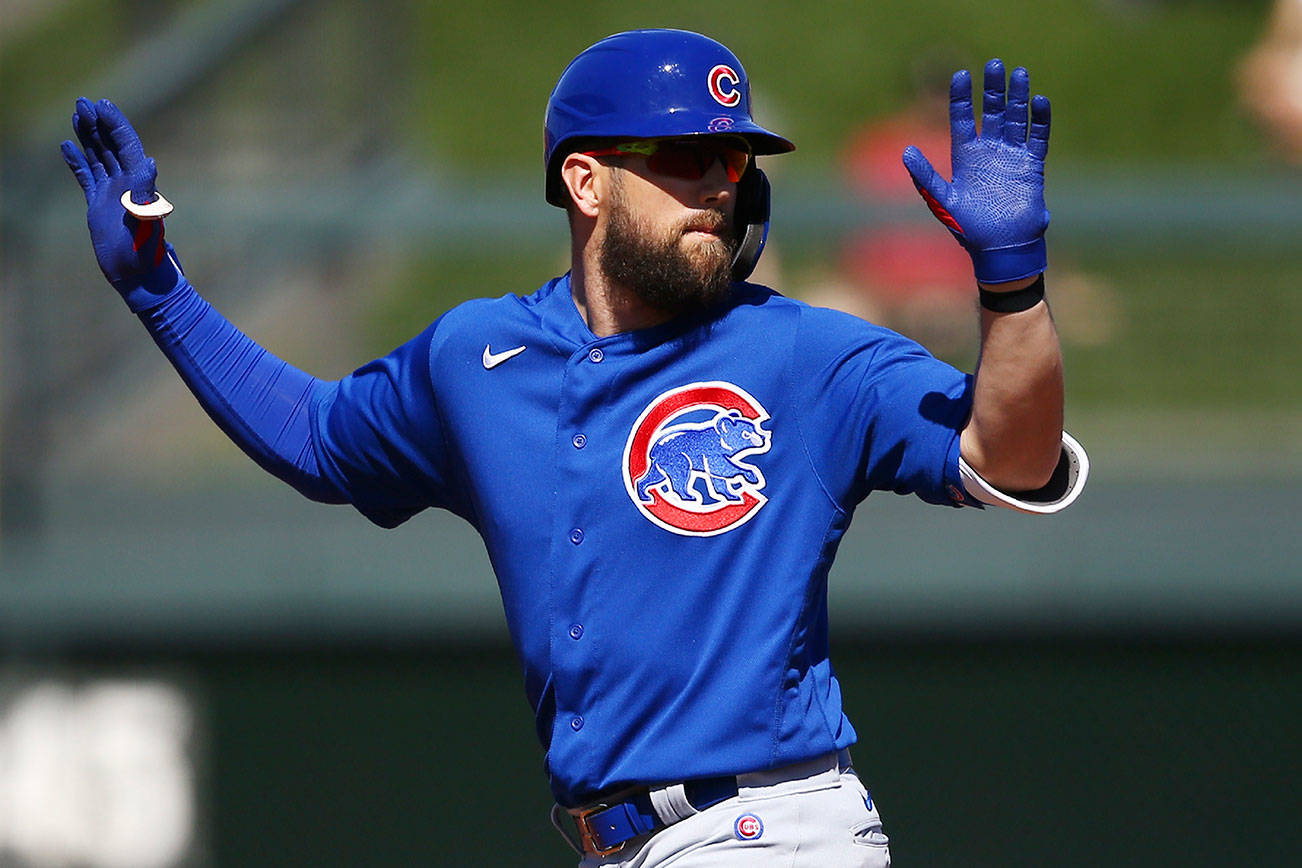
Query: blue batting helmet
point(646, 84)
point(650, 84)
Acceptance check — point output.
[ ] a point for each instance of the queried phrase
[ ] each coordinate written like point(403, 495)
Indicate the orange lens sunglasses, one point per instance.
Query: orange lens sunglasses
point(688, 159)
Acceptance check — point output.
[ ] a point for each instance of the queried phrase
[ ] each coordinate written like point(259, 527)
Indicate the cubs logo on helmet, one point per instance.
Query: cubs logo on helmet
point(687, 462)
point(723, 85)
point(645, 84)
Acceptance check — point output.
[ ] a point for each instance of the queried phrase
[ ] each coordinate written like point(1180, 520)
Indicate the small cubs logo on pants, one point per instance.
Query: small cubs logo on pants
point(687, 461)
point(748, 827)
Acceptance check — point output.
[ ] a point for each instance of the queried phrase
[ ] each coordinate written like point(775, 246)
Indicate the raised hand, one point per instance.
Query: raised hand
point(109, 163)
point(994, 205)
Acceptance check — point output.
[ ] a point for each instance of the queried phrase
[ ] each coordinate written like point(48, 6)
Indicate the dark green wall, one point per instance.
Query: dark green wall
point(1035, 753)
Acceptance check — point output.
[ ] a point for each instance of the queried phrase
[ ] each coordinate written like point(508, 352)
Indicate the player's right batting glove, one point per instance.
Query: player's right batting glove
point(110, 163)
point(994, 205)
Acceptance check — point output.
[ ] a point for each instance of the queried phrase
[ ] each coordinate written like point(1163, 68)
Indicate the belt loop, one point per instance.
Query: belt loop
point(671, 804)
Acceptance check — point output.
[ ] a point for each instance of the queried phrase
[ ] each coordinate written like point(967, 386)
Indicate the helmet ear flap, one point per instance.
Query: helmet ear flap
point(750, 221)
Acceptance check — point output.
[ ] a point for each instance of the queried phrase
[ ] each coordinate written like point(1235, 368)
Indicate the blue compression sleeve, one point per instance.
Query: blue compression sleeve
point(261, 402)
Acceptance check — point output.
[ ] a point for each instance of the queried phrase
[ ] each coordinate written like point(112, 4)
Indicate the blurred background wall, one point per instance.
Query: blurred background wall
point(198, 668)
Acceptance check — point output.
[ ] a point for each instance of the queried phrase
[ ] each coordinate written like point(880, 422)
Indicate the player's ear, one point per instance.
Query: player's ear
point(581, 176)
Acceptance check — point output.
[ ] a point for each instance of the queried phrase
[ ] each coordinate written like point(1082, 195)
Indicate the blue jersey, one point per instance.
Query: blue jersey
point(661, 508)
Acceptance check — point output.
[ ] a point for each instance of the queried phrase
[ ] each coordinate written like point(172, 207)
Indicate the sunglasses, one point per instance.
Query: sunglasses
point(688, 159)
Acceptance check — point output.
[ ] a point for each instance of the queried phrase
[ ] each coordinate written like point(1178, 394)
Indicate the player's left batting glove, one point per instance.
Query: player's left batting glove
point(111, 162)
point(994, 205)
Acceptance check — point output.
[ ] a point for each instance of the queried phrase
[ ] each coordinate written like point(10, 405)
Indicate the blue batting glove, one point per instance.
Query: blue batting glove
point(131, 252)
point(994, 205)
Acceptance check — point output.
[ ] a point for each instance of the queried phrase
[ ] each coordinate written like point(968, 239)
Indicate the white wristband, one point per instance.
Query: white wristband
point(155, 210)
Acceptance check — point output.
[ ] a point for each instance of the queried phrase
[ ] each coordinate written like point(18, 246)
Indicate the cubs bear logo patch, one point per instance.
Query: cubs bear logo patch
point(688, 460)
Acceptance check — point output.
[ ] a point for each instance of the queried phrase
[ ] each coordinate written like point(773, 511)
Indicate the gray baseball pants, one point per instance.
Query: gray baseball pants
point(811, 815)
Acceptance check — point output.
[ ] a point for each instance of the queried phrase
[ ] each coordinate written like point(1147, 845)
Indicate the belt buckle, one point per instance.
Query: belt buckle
point(581, 819)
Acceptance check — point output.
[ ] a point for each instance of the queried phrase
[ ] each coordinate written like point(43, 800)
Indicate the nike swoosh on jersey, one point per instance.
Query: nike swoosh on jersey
point(492, 359)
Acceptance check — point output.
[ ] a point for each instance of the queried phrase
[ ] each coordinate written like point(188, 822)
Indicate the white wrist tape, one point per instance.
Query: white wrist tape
point(155, 210)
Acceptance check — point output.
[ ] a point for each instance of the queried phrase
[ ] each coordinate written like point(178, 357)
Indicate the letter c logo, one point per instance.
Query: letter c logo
point(723, 82)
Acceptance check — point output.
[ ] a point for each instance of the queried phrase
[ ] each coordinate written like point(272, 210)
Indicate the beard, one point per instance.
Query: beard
point(663, 271)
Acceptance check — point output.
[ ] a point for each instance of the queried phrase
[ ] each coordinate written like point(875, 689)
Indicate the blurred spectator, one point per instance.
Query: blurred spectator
point(1270, 79)
point(907, 276)
point(912, 278)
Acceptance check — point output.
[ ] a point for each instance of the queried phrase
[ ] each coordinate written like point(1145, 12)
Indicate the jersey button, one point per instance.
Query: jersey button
point(576, 632)
point(580, 440)
point(595, 355)
point(576, 724)
point(576, 536)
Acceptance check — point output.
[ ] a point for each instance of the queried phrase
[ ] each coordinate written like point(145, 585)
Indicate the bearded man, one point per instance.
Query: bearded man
point(660, 456)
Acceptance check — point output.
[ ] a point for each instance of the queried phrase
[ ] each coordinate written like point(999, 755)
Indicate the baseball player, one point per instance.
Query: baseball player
point(660, 456)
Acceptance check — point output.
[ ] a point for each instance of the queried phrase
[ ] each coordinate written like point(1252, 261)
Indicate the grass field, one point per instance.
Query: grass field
point(1133, 80)
point(1135, 84)
point(1173, 329)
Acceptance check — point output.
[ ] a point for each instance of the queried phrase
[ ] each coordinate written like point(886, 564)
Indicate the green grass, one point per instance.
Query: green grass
point(1201, 330)
point(41, 63)
point(1178, 329)
point(1133, 81)
point(431, 284)
point(464, 87)
point(1150, 83)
